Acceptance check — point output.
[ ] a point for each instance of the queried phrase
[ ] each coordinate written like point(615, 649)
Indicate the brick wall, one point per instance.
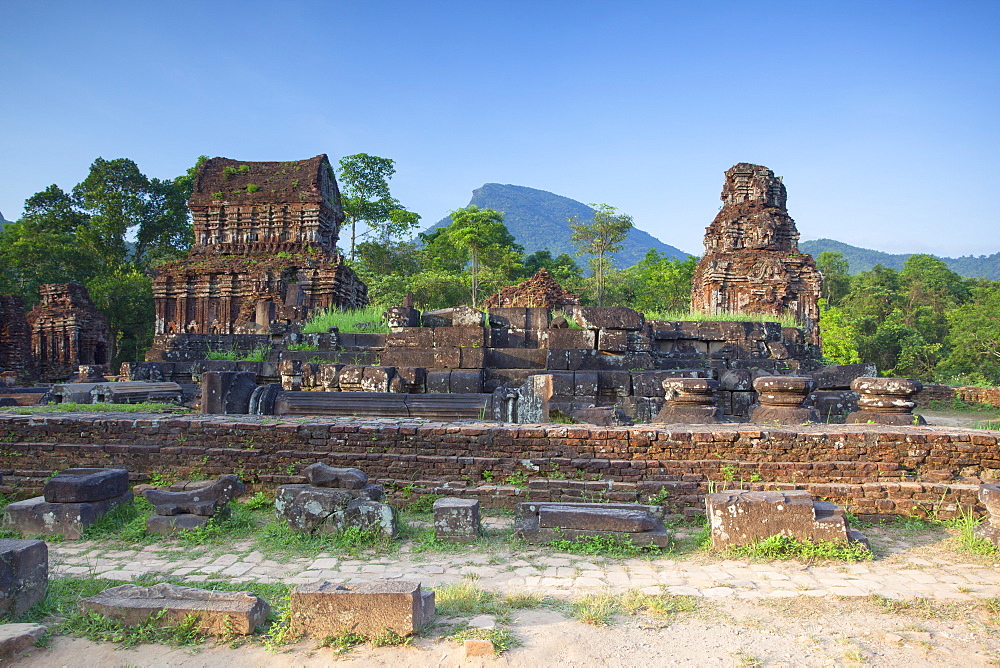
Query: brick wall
point(898, 470)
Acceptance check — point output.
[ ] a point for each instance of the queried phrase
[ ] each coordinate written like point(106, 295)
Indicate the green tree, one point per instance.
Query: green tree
point(562, 267)
point(600, 238)
point(975, 337)
point(365, 199)
point(836, 279)
point(482, 234)
point(659, 282)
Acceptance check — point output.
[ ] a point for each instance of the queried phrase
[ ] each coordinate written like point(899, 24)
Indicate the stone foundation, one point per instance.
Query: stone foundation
point(874, 470)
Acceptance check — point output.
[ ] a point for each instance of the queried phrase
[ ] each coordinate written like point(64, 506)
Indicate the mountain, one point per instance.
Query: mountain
point(3, 221)
point(537, 219)
point(863, 259)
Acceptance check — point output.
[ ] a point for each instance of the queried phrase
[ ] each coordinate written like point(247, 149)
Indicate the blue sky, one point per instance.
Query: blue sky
point(881, 116)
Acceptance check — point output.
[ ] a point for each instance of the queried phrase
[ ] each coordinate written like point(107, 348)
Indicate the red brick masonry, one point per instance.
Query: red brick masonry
point(870, 469)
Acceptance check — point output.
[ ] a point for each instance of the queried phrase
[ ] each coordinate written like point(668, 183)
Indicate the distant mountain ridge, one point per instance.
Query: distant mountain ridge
point(863, 259)
point(537, 219)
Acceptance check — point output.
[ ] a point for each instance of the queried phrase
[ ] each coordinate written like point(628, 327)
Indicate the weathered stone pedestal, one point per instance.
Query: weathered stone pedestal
point(334, 500)
point(456, 520)
point(73, 500)
point(780, 400)
point(740, 517)
point(690, 401)
point(324, 609)
point(886, 401)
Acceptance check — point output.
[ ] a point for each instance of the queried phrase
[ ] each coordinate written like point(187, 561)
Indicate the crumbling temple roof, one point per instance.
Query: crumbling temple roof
point(541, 290)
point(244, 182)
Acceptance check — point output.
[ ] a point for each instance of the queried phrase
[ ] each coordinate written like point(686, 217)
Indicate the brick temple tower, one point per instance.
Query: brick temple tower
point(67, 331)
point(265, 236)
point(752, 262)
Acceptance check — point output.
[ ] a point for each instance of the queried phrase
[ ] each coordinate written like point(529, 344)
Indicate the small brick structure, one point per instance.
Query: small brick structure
point(539, 290)
point(68, 331)
point(324, 609)
point(456, 520)
point(741, 517)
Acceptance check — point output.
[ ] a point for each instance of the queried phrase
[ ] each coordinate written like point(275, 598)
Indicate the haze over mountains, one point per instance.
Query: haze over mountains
point(863, 259)
point(538, 220)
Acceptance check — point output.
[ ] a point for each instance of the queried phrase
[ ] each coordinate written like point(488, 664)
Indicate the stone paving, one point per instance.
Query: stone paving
point(925, 573)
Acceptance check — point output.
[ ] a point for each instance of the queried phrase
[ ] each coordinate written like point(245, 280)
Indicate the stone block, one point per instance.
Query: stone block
point(612, 340)
point(886, 401)
point(410, 337)
point(515, 358)
point(466, 381)
point(219, 613)
point(571, 338)
point(24, 574)
point(204, 500)
point(458, 337)
point(473, 358)
point(584, 383)
point(614, 383)
point(780, 400)
point(476, 647)
point(590, 519)
point(607, 317)
point(458, 316)
point(321, 475)
point(509, 317)
point(439, 381)
point(989, 496)
point(603, 416)
point(324, 609)
point(85, 485)
point(841, 376)
point(37, 516)
point(739, 517)
point(18, 638)
point(570, 359)
point(330, 510)
point(402, 316)
point(448, 358)
point(456, 520)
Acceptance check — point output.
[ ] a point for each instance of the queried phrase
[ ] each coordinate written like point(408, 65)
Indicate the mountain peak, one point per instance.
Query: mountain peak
point(538, 220)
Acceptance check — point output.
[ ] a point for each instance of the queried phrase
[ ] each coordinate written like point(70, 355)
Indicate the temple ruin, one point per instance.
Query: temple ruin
point(67, 331)
point(752, 262)
point(15, 338)
point(264, 251)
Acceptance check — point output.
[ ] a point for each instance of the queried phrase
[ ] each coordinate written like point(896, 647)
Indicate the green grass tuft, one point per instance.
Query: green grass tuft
point(784, 321)
point(256, 354)
point(785, 547)
point(607, 546)
point(347, 321)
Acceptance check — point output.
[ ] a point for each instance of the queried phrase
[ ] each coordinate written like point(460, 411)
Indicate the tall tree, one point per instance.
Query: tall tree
point(365, 199)
point(482, 234)
point(836, 280)
point(600, 238)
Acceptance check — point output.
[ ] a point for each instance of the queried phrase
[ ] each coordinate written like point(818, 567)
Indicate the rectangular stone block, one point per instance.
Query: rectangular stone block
point(515, 358)
point(219, 612)
point(24, 574)
point(597, 519)
point(410, 337)
point(323, 609)
point(447, 358)
point(466, 382)
point(570, 359)
point(458, 337)
point(509, 317)
point(37, 516)
point(739, 517)
point(84, 485)
point(439, 381)
point(473, 358)
point(612, 340)
point(456, 520)
point(571, 338)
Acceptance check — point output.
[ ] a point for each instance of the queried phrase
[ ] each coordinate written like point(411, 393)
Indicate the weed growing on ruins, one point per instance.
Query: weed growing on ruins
point(99, 628)
point(599, 609)
point(278, 538)
point(466, 598)
point(126, 522)
point(673, 316)
point(423, 503)
point(786, 547)
point(256, 354)
point(518, 479)
point(303, 346)
point(605, 546)
point(70, 407)
point(501, 638)
point(347, 322)
point(965, 524)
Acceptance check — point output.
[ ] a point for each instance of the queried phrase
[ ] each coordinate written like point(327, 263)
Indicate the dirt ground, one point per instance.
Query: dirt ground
point(785, 632)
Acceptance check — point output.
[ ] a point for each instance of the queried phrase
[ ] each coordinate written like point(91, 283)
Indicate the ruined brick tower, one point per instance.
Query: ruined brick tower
point(265, 236)
point(67, 330)
point(15, 337)
point(752, 262)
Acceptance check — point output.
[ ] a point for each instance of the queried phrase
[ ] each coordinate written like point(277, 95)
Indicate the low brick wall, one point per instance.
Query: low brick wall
point(870, 469)
point(969, 394)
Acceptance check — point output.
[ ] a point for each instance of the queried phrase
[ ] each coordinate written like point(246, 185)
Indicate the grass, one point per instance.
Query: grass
point(605, 546)
point(347, 321)
point(278, 537)
point(256, 354)
point(966, 538)
point(345, 642)
point(501, 638)
point(784, 321)
point(465, 598)
point(785, 547)
point(71, 407)
point(303, 346)
point(600, 609)
point(959, 406)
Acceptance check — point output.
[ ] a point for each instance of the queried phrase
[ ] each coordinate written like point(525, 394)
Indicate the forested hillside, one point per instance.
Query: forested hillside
point(537, 219)
point(864, 259)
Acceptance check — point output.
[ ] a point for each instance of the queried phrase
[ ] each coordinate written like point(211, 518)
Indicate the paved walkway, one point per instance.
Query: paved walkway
point(935, 574)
